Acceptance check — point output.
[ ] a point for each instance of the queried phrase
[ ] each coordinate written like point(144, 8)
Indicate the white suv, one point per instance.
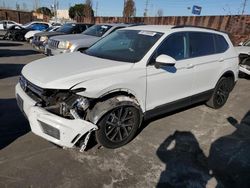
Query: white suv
point(130, 75)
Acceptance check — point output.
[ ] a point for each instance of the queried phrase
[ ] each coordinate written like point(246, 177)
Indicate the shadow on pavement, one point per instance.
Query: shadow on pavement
point(9, 70)
point(9, 44)
point(228, 161)
point(14, 53)
point(12, 122)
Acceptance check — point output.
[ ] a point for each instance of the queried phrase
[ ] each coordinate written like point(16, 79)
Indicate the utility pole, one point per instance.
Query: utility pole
point(96, 8)
point(146, 8)
point(244, 6)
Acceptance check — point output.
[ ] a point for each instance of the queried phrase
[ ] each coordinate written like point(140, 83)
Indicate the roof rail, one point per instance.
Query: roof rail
point(201, 27)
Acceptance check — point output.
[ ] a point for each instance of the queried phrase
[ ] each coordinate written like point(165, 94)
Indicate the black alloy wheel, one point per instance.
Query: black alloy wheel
point(221, 93)
point(118, 126)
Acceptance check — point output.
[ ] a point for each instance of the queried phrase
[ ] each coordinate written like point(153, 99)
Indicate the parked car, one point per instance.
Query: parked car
point(41, 39)
point(29, 35)
point(72, 43)
point(244, 54)
point(5, 24)
point(131, 75)
point(17, 32)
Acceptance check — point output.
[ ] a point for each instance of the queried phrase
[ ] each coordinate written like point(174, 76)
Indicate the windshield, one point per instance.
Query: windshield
point(66, 28)
point(24, 25)
point(124, 45)
point(97, 30)
point(49, 28)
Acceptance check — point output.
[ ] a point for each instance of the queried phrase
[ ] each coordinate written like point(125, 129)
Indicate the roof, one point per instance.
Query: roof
point(169, 28)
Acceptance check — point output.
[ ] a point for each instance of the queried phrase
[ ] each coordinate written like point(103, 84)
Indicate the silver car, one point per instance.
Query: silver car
point(80, 42)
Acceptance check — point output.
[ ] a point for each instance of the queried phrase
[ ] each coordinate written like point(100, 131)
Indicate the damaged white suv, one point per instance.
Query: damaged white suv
point(131, 75)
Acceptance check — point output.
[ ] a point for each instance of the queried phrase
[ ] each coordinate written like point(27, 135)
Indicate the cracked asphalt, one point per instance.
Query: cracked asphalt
point(196, 140)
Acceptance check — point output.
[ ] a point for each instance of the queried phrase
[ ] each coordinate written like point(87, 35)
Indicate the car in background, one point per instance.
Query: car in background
point(72, 43)
point(29, 36)
point(5, 24)
point(17, 32)
point(244, 55)
point(40, 40)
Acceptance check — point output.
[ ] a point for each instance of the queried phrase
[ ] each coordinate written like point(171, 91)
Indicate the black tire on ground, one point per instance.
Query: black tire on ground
point(118, 126)
point(221, 92)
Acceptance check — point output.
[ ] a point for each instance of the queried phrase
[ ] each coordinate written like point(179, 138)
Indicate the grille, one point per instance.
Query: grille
point(49, 130)
point(30, 89)
point(53, 43)
point(37, 38)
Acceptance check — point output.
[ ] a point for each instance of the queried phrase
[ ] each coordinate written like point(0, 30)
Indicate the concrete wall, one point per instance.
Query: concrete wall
point(238, 27)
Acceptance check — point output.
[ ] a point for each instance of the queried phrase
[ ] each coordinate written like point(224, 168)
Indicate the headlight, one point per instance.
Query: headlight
point(43, 38)
point(64, 45)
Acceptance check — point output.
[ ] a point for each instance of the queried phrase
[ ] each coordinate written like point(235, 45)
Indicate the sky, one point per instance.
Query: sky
point(169, 7)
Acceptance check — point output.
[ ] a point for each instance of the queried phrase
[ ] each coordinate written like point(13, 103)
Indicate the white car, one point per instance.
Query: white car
point(29, 35)
point(5, 24)
point(130, 75)
point(244, 53)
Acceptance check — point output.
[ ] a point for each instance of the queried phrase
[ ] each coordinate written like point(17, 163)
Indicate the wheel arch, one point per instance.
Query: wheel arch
point(111, 100)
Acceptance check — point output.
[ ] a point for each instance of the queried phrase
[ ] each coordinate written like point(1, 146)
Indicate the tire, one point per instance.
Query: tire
point(221, 93)
point(118, 126)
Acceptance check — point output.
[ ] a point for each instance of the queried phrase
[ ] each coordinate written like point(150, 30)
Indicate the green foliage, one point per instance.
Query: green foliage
point(81, 10)
point(44, 10)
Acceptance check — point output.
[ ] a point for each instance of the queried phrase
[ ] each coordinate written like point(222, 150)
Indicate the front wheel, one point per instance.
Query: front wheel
point(118, 126)
point(221, 93)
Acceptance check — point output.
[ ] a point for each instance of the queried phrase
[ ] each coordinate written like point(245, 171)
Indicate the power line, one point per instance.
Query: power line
point(244, 6)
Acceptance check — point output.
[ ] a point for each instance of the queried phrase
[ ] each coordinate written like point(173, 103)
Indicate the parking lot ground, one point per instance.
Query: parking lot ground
point(158, 154)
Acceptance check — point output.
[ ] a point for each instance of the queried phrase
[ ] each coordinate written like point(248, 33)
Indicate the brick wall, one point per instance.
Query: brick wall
point(21, 16)
point(238, 27)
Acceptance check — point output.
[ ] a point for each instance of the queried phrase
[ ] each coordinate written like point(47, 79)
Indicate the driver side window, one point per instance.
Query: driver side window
point(174, 46)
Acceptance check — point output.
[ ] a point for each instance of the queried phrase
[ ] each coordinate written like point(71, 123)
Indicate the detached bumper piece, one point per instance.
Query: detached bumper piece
point(61, 131)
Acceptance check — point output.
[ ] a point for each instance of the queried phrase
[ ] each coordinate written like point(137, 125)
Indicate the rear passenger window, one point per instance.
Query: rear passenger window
point(221, 44)
point(201, 44)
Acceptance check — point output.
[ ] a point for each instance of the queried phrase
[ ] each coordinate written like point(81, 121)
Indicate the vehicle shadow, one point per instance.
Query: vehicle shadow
point(14, 53)
point(9, 70)
point(12, 122)
point(8, 44)
point(228, 161)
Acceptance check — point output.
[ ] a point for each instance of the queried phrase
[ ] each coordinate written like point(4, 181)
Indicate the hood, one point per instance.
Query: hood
point(67, 70)
point(75, 37)
point(49, 34)
point(243, 50)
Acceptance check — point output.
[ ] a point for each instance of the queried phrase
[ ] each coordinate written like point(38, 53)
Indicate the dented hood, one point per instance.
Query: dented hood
point(65, 71)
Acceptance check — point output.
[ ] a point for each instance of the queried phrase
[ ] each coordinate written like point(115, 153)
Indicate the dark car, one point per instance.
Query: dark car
point(17, 32)
point(40, 40)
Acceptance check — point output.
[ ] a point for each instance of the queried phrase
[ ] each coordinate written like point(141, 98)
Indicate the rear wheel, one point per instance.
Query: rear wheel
point(221, 93)
point(118, 126)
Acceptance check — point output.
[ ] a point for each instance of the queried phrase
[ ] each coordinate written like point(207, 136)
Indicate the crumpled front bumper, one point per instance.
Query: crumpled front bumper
point(61, 131)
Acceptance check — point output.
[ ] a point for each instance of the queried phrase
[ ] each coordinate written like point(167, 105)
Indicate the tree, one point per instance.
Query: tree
point(44, 10)
point(88, 9)
point(129, 8)
point(80, 10)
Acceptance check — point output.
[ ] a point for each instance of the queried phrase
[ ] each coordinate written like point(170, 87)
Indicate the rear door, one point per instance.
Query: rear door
point(206, 52)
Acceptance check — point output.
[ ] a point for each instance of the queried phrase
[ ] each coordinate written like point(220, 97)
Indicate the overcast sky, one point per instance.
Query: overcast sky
point(169, 7)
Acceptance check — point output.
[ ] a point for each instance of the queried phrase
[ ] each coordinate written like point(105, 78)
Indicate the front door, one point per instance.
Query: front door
point(170, 83)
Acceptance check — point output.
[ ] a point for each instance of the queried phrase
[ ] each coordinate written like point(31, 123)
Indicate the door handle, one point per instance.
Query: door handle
point(190, 66)
point(221, 59)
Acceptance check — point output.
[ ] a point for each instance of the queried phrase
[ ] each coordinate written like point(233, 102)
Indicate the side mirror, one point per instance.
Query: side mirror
point(241, 44)
point(164, 60)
